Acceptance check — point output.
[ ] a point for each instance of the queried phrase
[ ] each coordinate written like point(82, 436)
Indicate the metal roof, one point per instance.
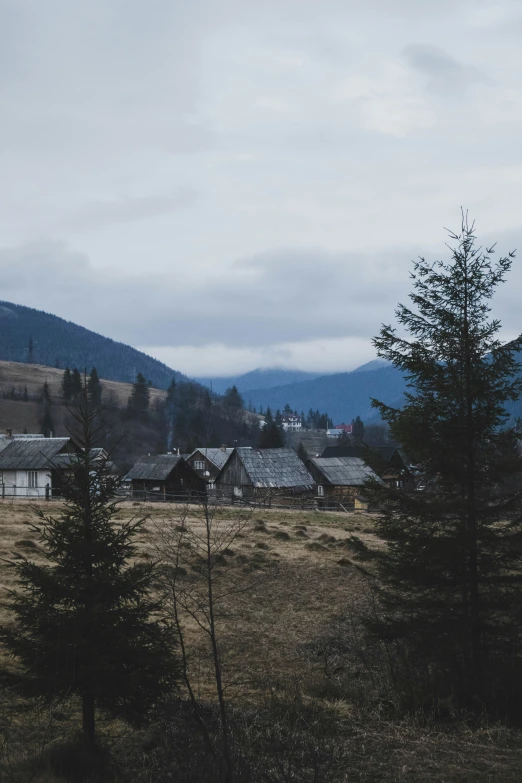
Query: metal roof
point(277, 468)
point(31, 454)
point(344, 471)
point(218, 457)
point(154, 467)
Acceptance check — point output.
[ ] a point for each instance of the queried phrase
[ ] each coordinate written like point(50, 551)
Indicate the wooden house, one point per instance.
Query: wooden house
point(30, 465)
point(165, 476)
point(339, 480)
point(265, 476)
point(208, 462)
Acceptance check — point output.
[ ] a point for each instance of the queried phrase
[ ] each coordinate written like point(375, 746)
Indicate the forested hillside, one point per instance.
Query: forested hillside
point(34, 337)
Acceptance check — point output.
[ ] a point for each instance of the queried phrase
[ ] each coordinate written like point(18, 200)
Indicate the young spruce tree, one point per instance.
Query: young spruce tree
point(86, 623)
point(452, 571)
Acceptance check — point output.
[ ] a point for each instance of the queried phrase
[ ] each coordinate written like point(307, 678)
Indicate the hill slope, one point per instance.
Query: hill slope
point(60, 343)
point(17, 414)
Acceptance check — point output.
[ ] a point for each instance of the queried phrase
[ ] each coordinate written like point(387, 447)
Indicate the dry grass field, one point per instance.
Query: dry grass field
point(301, 583)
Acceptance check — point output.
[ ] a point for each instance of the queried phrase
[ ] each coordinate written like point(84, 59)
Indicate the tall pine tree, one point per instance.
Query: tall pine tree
point(76, 384)
point(67, 385)
point(452, 570)
point(94, 388)
point(139, 398)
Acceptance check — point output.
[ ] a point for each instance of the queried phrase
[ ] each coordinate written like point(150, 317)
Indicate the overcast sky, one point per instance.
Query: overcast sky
point(228, 184)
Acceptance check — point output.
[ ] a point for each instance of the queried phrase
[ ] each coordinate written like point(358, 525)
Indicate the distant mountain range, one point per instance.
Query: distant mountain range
point(60, 343)
point(343, 395)
point(262, 378)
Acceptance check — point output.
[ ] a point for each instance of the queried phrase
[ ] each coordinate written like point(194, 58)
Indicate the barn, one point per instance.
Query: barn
point(164, 476)
point(265, 476)
point(339, 480)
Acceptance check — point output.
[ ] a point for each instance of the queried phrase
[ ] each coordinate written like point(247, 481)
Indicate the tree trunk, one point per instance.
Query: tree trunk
point(471, 515)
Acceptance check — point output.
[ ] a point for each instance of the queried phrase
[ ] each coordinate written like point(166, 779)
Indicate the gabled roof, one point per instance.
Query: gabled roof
point(31, 454)
point(155, 467)
point(276, 468)
point(344, 471)
point(218, 457)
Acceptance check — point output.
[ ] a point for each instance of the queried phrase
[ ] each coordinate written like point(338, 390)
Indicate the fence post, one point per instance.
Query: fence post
point(47, 493)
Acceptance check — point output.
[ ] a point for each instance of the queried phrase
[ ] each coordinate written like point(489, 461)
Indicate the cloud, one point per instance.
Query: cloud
point(216, 359)
point(230, 178)
point(286, 296)
point(100, 214)
point(445, 75)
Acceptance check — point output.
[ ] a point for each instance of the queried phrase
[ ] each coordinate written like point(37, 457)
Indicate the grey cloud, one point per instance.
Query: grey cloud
point(290, 295)
point(100, 214)
point(444, 73)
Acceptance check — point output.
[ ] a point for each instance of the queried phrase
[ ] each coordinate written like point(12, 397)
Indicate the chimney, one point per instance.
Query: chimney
point(9, 432)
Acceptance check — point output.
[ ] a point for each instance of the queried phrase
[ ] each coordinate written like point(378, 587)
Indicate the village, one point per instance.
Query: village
point(34, 466)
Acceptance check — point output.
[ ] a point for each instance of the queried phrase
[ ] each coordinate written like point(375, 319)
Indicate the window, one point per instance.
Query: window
point(32, 479)
point(238, 492)
point(320, 490)
point(199, 464)
point(211, 486)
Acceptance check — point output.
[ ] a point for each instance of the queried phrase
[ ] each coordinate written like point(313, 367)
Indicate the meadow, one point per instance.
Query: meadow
point(306, 698)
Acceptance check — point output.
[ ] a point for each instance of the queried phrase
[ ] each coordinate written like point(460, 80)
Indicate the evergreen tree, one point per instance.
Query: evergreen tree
point(268, 417)
point(85, 621)
point(271, 437)
point(452, 569)
point(94, 388)
point(357, 429)
point(76, 384)
point(233, 399)
point(171, 392)
point(67, 385)
point(139, 399)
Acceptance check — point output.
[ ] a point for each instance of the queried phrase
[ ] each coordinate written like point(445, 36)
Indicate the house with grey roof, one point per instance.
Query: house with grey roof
point(208, 462)
point(389, 462)
point(265, 476)
point(29, 466)
point(164, 476)
point(339, 480)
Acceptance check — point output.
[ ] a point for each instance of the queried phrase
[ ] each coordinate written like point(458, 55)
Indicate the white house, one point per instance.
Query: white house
point(26, 465)
point(291, 422)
